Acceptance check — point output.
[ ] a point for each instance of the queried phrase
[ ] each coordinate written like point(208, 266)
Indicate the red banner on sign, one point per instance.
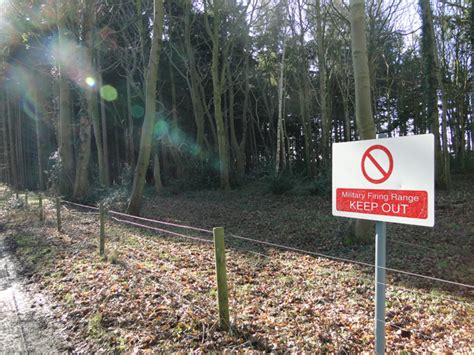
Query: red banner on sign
point(398, 203)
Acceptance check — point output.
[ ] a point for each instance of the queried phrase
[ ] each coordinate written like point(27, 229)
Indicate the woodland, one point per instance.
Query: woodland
point(148, 122)
point(144, 95)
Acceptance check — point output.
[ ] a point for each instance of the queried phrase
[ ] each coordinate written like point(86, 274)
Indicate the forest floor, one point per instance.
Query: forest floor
point(157, 292)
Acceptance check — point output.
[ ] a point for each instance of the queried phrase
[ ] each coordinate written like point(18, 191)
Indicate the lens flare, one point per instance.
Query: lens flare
point(108, 93)
point(73, 60)
point(195, 150)
point(161, 129)
point(90, 81)
point(137, 111)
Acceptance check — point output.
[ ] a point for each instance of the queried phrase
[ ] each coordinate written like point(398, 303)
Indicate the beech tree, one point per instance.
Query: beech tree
point(143, 160)
point(432, 83)
point(363, 101)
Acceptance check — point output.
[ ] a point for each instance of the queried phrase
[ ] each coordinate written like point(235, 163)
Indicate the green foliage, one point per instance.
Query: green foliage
point(35, 253)
point(54, 171)
point(94, 326)
point(197, 176)
point(281, 183)
point(287, 183)
point(466, 166)
point(115, 197)
point(113, 257)
point(263, 169)
point(68, 298)
point(320, 186)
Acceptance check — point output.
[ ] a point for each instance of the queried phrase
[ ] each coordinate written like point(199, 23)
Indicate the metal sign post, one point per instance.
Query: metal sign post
point(380, 262)
point(384, 180)
point(380, 254)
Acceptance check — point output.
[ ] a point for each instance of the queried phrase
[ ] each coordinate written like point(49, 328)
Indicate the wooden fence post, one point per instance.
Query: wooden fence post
point(102, 229)
point(40, 206)
point(222, 295)
point(26, 198)
point(58, 212)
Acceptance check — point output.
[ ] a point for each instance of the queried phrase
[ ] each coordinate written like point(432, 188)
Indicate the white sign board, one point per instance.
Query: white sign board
point(390, 179)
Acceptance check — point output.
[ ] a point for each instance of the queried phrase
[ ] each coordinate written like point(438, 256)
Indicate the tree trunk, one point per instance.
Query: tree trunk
point(432, 82)
point(175, 127)
point(19, 148)
point(130, 146)
point(253, 142)
point(364, 117)
point(463, 116)
point(118, 162)
point(143, 160)
point(471, 92)
point(279, 159)
point(39, 143)
point(242, 159)
point(157, 172)
point(104, 131)
point(238, 148)
point(347, 118)
point(325, 119)
point(365, 121)
point(91, 94)
point(194, 83)
point(11, 140)
point(5, 147)
point(82, 169)
point(218, 68)
point(65, 137)
point(446, 163)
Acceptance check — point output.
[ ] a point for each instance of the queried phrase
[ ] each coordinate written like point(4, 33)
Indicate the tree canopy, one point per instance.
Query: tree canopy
point(242, 88)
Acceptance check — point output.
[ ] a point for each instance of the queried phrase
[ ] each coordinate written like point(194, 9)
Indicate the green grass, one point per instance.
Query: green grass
point(95, 327)
point(35, 254)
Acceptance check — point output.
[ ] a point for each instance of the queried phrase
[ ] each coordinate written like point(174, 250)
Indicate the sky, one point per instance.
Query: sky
point(410, 22)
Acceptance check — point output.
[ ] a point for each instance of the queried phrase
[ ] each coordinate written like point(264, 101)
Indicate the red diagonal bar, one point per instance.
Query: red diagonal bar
point(377, 165)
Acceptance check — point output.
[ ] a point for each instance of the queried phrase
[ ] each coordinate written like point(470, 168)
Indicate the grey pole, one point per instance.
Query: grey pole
point(380, 254)
point(380, 257)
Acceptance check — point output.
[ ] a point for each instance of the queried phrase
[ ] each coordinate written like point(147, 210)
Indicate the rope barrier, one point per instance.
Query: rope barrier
point(164, 289)
point(261, 242)
point(428, 277)
point(301, 251)
point(81, 213)
point(370, 280)
point(161, 230)
point(80, 205)
point(251, 252)
point(161, 222)
point(351, 261)
point(448, 299)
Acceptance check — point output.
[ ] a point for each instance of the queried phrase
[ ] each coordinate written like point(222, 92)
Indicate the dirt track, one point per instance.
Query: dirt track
point(25, 322)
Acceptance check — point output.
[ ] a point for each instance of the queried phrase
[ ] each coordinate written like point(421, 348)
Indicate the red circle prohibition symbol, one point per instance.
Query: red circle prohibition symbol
point(385, 173)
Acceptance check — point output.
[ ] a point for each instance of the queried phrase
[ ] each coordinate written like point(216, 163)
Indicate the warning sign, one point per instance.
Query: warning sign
point(409, 204)
point(368, 159)
point(388, 180)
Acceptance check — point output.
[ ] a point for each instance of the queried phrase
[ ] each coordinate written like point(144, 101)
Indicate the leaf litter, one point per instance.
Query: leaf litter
point(158, 293)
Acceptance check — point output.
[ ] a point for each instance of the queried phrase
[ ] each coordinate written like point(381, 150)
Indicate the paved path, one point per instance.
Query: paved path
point(25, 324)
